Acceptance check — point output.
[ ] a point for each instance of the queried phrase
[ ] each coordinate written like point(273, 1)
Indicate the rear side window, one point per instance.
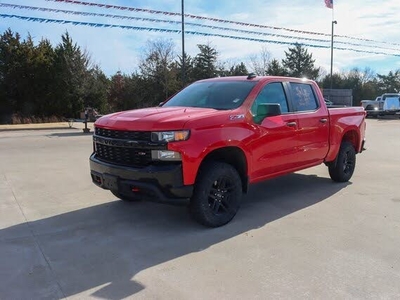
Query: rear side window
point(303, 97)
point(271, 93)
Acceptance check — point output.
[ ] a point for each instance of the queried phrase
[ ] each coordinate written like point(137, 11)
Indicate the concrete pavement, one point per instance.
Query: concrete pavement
point(44, 126)
point(296, 237)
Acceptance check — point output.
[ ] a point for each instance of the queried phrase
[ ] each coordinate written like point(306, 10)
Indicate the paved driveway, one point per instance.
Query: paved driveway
point(297, 237)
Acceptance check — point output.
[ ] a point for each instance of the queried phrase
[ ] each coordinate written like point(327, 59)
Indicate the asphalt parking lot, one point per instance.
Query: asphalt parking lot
point(296, 237)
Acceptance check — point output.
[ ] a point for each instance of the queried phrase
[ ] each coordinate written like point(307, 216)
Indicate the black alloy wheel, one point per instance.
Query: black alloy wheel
point(343, 169)
point(220, 195)
point(217, 194)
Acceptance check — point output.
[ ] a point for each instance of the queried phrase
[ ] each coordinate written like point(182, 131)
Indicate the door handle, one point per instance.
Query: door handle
point(324, 120)
point(291, 124)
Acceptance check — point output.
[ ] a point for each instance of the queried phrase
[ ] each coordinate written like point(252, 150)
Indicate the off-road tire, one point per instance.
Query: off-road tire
point(343, 168)
point(217, 194)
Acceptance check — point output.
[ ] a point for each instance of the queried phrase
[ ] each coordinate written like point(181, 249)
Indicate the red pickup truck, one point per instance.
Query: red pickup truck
point(216, 136)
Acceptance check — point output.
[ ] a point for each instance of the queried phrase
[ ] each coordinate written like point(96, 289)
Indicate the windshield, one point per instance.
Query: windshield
point(213, 94)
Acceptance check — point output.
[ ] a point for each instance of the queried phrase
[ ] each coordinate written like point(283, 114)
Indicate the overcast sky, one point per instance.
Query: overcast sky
point(119, 49)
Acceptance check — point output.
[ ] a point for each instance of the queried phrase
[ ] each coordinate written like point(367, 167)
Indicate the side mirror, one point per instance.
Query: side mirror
point(267, 110)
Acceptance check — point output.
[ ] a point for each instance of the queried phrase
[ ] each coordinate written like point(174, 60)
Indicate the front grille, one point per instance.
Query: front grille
point(124, 135)
point(124, 156)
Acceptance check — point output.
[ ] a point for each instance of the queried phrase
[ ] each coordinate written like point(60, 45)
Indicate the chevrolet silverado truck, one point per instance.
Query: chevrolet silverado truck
point(387, 104)
point(214, 138)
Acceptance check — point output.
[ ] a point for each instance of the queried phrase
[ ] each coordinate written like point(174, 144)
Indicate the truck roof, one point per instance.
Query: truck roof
point(252, 77)
point(391, 94)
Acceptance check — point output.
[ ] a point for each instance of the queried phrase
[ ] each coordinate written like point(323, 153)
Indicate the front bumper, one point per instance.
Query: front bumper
point(160, 183)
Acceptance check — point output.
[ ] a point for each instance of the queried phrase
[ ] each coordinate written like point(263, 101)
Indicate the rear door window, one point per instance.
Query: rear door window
point(303, 97)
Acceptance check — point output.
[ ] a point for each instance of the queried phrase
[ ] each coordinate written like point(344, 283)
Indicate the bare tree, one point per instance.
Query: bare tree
point(259, 62)
point(157, 64)
point(368, 75)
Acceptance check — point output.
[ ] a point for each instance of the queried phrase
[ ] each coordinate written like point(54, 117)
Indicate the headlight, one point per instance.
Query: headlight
point(376, 108)
point(170, 136)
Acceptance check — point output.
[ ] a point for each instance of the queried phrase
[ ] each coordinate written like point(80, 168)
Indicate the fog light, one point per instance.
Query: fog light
point(165, 155)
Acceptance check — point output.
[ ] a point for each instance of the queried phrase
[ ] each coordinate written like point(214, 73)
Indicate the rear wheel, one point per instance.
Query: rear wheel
point(217, 194)
point(124, 198)
point(343, 169)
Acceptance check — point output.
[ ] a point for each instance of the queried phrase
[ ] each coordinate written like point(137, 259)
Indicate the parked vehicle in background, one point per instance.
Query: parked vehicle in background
point(215, 137)
point(387, 104)
point(328, 102)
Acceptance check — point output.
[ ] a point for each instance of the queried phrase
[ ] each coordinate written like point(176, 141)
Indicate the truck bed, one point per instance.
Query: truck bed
point(342, 120)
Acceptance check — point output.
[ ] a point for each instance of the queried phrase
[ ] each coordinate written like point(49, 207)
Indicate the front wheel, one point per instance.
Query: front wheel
point(343, 169)
point(217, 194)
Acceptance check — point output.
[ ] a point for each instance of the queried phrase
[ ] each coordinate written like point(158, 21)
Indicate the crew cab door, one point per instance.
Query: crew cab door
point(313, 124)
point(275, 149)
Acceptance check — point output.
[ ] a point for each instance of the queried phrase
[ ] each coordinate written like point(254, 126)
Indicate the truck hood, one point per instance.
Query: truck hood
point(154, 118)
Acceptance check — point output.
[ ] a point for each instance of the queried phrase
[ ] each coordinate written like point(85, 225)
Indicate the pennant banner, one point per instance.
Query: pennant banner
point(151, 11)
point(137, 28)
point(122, 17)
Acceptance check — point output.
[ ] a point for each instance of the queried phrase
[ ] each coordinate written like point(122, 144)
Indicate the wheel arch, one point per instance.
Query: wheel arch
point(234, 156)
point(352, 136)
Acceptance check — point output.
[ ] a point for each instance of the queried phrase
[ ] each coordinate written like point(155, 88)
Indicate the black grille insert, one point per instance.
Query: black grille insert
point(124, 156)
point(124, 135)
point(127, 148)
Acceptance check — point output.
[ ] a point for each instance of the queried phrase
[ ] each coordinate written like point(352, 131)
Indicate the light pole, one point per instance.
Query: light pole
point(183, 44)
point(333, 24)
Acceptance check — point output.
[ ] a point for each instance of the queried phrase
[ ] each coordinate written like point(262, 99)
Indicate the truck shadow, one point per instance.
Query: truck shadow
point(27, 128)
point(71, 134)
point(109, 244)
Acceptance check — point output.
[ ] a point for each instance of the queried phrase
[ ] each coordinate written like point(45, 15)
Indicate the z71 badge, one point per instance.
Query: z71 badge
point(236, 117)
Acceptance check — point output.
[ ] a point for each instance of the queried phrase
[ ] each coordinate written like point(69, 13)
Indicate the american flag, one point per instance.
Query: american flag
point(329, 3)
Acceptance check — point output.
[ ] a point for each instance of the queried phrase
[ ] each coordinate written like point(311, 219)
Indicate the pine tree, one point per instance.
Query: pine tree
point(189, 69)
point(300, 63)
point(389, 83)
point(276, 69)
point(205, 62)
point(10, 68)
point(71, 74)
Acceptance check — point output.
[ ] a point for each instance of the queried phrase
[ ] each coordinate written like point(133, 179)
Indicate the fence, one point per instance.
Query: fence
point(339, 96)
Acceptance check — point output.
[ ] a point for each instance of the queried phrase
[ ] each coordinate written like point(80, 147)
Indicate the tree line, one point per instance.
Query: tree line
point(41, 83)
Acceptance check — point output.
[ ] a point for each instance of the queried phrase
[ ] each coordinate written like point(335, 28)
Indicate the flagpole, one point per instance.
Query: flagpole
point(183, 44)
point(333, 25)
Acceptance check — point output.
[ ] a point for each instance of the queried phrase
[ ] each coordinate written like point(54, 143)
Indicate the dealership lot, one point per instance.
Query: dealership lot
point(299, 236)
